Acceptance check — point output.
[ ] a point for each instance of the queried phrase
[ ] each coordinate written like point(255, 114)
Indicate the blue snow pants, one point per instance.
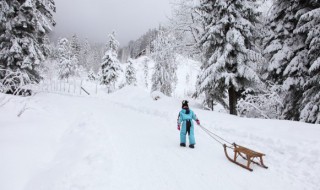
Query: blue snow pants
point(183, 133)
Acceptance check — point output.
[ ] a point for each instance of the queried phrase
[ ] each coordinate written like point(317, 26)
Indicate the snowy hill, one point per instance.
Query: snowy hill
point(126, 140)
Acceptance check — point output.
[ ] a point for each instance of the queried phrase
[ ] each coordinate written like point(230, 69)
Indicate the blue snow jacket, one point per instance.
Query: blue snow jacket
point(185, 117)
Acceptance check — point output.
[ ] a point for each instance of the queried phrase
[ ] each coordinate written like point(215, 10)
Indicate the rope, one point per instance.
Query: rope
point(215, 136)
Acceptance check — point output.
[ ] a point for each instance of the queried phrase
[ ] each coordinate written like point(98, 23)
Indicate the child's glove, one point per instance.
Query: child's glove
point(198, 122)
point(178, 127)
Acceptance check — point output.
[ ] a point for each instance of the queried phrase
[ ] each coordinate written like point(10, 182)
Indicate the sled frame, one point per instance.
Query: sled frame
point(246, 154)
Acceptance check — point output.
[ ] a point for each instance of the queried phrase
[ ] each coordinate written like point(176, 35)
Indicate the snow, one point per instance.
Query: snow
point(187, 72)
point(126, 140)
point(315, 65)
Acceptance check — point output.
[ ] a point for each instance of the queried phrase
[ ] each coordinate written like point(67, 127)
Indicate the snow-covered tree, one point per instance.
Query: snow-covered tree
point(86, 56)
point(186, 23)
point(230, 55)
point(267, 104)
point(164, 77)
point(67, 62)
point(23, 29)
point(291, 48)
point(110, 66)
point(146, 71)
point(280, 47)
point(75, 46)
point(309, 27)
point(96, 54)
point(92, 76)
point(131, 78)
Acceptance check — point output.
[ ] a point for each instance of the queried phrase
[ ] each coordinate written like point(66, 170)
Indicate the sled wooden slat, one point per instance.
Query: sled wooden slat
point(246, 154)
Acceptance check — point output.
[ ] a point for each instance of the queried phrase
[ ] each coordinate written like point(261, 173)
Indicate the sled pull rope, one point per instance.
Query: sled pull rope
point(216, 137)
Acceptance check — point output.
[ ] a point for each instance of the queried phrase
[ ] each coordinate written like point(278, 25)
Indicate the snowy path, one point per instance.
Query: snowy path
point(127, 141)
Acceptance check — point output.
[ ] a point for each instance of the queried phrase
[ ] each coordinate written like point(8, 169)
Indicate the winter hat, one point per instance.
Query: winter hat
point(185, 103)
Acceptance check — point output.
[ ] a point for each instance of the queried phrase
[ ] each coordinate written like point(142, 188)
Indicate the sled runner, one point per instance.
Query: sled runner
point(246, 154)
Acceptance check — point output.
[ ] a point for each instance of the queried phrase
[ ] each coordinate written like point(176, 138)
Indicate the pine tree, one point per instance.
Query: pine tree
point(146, 71)
point(23, 28)
point(161, 80)
point(309, 27)
point(85, 57)
point(164, 77)
point(75, 46)
point(110, 66)
point(280, 47)
point(229, 52)
point(131, 74)
point(291, 47)
point(92, 76)
point(67, 62)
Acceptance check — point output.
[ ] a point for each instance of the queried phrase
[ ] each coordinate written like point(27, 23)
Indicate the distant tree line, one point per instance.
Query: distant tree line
point(143, 43)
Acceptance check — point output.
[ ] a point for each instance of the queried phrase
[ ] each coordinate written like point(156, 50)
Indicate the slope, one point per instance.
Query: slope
point(128, 141)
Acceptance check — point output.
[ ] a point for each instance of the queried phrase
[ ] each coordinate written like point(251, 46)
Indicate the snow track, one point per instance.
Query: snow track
point(128, 141)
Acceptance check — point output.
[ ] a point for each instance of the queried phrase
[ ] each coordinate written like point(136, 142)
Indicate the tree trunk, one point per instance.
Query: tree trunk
point(212, 107)
point(232, 101)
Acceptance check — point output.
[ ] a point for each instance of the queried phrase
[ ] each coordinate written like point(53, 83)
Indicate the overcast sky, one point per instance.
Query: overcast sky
point(95, 19)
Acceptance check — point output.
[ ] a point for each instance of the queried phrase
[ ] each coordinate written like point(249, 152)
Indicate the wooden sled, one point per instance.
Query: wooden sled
point(246, 154)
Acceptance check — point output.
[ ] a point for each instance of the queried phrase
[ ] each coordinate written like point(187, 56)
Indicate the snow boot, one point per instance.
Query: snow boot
point(191, 146)
point(182, 144)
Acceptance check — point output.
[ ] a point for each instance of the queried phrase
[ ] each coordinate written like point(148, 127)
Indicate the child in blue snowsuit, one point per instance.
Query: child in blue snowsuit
point(185, 117)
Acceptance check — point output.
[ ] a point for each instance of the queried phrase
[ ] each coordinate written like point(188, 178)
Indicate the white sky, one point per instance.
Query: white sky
point(95, 19)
